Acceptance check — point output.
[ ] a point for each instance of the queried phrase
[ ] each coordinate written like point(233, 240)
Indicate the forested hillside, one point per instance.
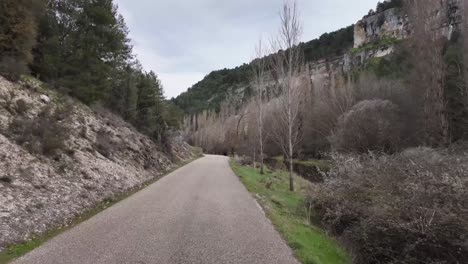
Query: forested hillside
point(82, 48)
point(217, 86)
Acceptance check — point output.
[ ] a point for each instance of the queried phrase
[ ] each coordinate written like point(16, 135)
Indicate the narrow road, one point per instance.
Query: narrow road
point(200, 213)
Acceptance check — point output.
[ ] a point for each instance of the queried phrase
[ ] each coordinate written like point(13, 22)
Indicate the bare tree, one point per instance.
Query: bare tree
point(429, 71)
point(465, 43)
point(259, 84)
point(287, 65)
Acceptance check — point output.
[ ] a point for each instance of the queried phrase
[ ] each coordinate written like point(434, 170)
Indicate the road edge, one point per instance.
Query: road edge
point(16, 251)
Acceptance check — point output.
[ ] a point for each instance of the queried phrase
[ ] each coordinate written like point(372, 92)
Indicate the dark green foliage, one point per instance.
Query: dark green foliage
point(150, 106)
point(83, 50)
point(173, 115)
point(393, 66)
point(81, 43)
point(455, 90)
point(123, 98)
point(385, 5)
point(18, 28)
point(329, 44)
point(213, 89)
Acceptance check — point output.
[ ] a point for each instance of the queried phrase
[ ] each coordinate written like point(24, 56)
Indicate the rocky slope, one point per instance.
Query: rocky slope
point(51, 172)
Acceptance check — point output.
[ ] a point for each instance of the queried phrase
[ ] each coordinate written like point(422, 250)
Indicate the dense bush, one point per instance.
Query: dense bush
point(369, 125)
point(45, 134)
point(104, 143)
point(18, 30)
point(403, 208)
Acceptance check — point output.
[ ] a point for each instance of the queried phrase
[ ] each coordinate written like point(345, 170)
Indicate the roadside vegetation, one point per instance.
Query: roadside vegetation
point(290, 215)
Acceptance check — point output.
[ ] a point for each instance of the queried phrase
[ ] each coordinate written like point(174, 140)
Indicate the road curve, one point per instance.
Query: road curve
point(200, 213)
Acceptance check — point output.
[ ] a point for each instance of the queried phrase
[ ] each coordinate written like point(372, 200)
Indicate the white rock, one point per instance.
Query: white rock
point(44, 98)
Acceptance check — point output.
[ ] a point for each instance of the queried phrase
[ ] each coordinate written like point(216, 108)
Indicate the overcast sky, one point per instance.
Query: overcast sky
point(184, 40)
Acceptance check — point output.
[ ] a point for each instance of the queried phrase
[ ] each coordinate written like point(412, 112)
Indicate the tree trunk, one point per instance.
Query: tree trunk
point(261, 153)
point(291, 181)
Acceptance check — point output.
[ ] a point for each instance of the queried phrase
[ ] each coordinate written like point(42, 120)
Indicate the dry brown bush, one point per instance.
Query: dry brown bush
point(369, 125)
point(404, 208)
point(45, 134)
point(104, 143)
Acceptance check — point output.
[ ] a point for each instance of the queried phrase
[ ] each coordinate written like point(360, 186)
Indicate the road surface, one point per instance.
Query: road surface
point(200, 213)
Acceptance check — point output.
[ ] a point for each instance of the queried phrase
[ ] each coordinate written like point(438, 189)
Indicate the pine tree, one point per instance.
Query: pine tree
point(81, 45)
point(18, 30)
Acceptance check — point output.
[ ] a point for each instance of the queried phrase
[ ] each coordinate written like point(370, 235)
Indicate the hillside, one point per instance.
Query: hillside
point(209, 93)
point(60, 158)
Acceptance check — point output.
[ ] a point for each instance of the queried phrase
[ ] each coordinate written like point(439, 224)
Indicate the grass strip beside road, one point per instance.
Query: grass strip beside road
point(18, 250)
point(286, 211)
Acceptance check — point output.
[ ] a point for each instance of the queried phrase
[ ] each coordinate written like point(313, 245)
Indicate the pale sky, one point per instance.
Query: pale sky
point(184, 40)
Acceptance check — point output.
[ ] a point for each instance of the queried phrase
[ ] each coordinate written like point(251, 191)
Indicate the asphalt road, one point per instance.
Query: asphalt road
point(200, 213)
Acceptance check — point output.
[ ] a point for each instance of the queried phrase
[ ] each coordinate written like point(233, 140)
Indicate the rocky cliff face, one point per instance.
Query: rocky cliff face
point(375, 36)
point(102, 156)
point(391, 23)
point(394, 23)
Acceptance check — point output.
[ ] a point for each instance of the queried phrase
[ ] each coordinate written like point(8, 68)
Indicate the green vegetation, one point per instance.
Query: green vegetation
point(323, 165)
point(329, 44)
point(381, 43)
point(18, 30)
point(15, 251)
point(82, 48)
point(209, 93)
point(455, 85)
point(385, 5)
point(288, 213)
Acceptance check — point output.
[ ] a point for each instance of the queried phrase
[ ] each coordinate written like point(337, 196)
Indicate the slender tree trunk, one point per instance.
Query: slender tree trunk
point(261, 159)
point(254, 158)
point(291, 180)
point(290, 135)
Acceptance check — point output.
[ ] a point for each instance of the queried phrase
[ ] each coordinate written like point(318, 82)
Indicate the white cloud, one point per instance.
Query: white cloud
point(176, 83)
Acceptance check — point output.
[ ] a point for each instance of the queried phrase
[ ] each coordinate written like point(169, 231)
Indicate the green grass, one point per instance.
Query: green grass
point(323, 165)
point(287, 212)
point(15, 251)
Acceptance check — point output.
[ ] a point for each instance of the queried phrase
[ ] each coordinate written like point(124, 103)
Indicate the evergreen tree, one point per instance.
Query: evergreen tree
point(81, 44)
point(150, 106)
point(18, 29)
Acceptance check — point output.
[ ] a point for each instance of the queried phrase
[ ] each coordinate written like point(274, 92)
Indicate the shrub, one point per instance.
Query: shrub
point(44, 134)
point(403, 208)
point(22, 106)
point(104, 143)
point(369, 125)
point(12, 69)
